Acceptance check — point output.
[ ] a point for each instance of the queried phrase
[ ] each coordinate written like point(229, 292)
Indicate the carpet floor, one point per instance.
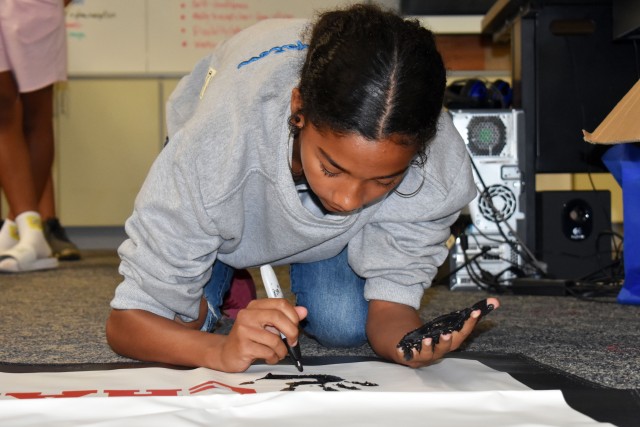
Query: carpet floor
point(58, 317)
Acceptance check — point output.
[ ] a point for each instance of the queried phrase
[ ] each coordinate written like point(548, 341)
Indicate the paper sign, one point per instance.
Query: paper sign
point(448, 375)
point(452, 392)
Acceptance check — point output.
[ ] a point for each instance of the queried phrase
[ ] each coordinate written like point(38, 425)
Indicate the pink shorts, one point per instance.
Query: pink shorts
point(33, 43)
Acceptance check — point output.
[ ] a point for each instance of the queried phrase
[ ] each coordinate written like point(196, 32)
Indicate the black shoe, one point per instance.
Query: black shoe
point(61, 246)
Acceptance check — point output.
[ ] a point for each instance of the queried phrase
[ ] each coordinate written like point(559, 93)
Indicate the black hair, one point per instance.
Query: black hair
point(371, 72)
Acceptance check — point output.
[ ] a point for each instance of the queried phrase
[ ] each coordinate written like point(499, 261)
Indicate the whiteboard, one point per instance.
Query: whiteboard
point(164, 37)
point(181, 32)
point(106, 36)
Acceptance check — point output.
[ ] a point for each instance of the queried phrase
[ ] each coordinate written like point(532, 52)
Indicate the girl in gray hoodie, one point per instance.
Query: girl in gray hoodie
point(321, 146)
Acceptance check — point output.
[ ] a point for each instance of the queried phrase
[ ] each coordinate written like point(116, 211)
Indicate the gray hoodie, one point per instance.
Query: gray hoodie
point(222, 189)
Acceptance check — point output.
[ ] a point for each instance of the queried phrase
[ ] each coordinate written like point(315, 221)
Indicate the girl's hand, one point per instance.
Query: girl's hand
point(255, 334)
point(389, 322)
point(447, 342)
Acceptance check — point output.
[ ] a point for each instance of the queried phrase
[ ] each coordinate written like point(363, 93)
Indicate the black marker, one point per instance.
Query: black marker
point(272, 287)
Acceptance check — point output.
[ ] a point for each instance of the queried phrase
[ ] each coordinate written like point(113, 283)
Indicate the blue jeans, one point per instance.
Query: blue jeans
point(329, 289)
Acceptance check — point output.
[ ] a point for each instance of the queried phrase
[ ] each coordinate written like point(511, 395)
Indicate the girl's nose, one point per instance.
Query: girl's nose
point(348, 198)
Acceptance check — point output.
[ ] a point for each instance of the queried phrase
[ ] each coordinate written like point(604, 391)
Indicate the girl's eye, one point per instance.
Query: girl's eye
point(330, 174)
point(386, 183)
point(327, 172)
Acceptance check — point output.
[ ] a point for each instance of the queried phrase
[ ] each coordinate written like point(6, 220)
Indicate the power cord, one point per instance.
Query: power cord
point(517, 244)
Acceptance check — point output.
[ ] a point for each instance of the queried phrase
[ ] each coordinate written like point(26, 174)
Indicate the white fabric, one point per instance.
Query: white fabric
point(448, 375)
point(452, 393)
point(308, 409)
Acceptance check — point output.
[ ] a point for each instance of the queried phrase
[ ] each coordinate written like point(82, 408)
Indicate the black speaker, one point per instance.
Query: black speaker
point(574, 232)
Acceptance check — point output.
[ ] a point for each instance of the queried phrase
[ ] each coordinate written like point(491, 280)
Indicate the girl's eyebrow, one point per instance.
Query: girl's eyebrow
point(337, 166)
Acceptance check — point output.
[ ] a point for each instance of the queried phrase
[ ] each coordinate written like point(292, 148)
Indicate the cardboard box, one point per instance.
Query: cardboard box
point(621, 130)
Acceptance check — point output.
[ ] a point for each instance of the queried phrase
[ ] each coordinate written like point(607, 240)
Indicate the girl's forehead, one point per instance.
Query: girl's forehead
point(356, 154)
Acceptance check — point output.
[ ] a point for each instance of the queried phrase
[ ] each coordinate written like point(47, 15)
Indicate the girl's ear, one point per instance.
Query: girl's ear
point(296, 109)
point(296, 101)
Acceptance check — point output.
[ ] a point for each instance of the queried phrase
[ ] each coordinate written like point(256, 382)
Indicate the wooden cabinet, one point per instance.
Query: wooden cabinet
point(108, 131)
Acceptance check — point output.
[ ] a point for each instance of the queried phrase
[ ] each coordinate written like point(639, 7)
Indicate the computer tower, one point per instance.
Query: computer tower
point(482, 262)
point(491, 137)
point(491, 243)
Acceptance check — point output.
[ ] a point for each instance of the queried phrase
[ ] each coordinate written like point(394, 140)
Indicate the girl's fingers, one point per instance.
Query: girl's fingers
point(446, 342)
point(280, 313)
point(258, 343)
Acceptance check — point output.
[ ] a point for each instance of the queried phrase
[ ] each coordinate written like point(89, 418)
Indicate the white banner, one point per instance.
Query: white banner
point(453, 393)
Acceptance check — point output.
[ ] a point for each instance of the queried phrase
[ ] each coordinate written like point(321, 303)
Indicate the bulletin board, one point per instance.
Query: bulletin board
point(164, 37)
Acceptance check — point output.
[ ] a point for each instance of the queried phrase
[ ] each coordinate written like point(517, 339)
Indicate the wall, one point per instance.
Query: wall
point(140, 48)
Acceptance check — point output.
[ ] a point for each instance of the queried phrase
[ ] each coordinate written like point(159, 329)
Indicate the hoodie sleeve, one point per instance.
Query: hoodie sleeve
point(172, 242)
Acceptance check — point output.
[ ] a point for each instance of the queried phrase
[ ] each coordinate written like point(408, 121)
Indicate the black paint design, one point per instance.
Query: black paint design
point(444, 324)
point(320, 380)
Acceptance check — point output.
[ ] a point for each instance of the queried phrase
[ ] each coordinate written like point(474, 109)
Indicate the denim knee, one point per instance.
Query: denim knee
point(330, 331)
point(214, 291)
point(334, 297)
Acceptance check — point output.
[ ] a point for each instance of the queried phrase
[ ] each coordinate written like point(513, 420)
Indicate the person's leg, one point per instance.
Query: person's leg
point(334, 296)
point(214, 292)
point(47, 203)
point(240, 294)
point(227, 292)
point(38, 134)
point(16, 179)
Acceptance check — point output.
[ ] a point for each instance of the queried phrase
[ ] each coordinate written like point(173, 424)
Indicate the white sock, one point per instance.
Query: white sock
point(31, 233)
point(8, 235)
